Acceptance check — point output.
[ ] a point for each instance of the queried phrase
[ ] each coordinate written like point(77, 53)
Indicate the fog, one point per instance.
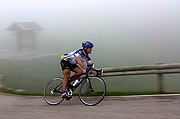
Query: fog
point(125, 32)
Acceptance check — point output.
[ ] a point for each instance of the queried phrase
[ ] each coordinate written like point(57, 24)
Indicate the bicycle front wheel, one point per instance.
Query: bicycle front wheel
point(53, 91)
point(92, 91)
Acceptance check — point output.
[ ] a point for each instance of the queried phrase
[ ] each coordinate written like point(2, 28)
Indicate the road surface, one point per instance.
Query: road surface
point(144, 107)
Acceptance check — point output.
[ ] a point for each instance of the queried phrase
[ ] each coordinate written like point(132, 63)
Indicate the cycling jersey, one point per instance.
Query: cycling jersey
point(71, 57)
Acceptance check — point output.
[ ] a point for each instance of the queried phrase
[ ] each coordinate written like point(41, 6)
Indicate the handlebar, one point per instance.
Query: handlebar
point(91, 67)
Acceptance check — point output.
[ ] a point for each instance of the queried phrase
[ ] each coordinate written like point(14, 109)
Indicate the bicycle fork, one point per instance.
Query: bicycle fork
point(89, 84)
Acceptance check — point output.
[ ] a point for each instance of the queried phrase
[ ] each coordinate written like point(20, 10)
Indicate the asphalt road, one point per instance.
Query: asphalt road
point(145, 107)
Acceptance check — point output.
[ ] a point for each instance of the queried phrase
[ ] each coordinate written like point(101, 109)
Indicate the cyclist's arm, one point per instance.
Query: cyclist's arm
point(79, 61)
point(92, 71)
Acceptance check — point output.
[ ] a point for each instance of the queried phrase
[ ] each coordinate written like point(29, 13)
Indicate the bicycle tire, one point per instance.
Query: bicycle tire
point(90, 98)
point(53, 91)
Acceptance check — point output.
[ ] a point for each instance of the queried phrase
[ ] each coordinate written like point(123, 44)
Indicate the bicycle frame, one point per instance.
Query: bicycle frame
point(80, 82)
point(83, 79)
point(51, 92)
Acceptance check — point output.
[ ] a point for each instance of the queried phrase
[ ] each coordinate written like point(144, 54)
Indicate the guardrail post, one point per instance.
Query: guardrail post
point(1, 81)
point(160, 83)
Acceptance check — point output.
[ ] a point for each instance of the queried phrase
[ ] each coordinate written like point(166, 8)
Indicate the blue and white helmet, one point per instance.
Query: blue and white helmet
point(87, 44)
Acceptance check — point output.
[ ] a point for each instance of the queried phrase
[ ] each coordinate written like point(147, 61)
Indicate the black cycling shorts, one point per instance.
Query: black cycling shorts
point(67, 65)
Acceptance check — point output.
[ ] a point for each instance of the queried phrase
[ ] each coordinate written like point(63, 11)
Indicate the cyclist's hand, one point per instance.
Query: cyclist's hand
point(88, 68)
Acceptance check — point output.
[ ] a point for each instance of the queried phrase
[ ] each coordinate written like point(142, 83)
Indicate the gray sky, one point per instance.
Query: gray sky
point(137, 28)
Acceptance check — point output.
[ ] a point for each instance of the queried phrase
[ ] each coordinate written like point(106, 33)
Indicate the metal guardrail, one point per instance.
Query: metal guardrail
point(158, 69)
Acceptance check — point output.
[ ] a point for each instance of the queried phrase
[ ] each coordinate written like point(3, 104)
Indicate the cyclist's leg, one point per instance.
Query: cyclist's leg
point(65, 65)
point(78, 71)
point(66, 74)
point(66, 81)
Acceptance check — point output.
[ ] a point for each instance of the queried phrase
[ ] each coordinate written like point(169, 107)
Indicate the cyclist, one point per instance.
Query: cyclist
point(73, 61)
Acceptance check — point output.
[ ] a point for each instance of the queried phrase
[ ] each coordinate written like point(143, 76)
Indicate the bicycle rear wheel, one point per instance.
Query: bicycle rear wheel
point(53, 91)
point(93, 94)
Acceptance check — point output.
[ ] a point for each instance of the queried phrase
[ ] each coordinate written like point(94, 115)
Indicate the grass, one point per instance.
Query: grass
point(11, 91)
point(29, 75)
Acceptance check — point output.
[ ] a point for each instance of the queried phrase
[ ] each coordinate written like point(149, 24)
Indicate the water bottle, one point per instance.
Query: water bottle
point(76, 81)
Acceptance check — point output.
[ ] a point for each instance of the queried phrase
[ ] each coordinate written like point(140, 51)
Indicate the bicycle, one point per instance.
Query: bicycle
point(91, 92)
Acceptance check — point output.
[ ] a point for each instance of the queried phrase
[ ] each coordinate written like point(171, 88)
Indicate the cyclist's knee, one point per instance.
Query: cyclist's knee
point(79, 71)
